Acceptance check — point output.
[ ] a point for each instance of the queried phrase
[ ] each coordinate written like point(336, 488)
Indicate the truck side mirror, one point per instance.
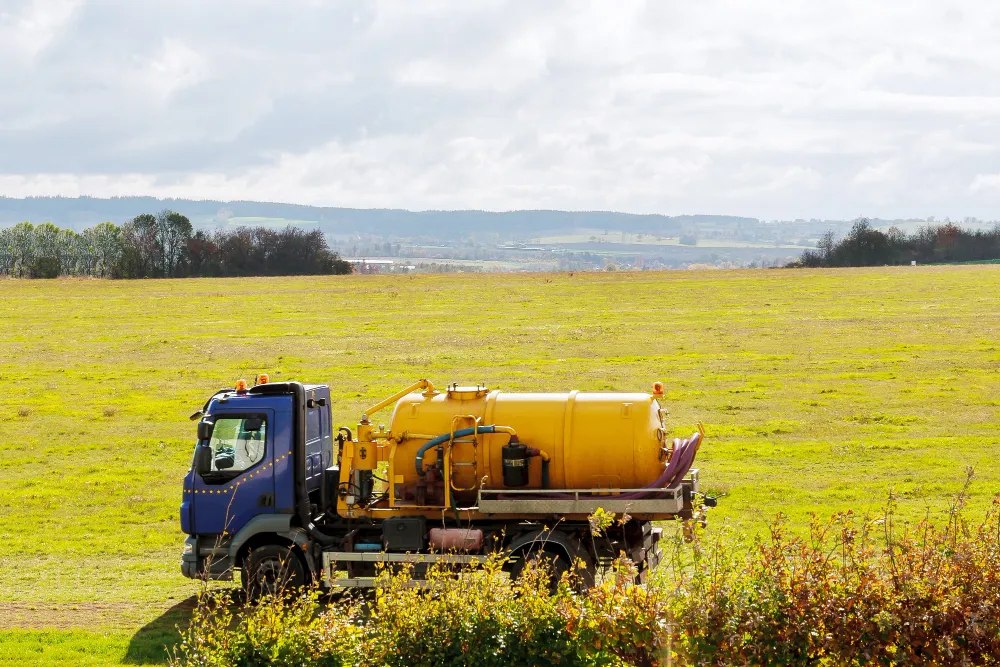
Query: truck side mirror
point(202, 458)
point(205, 429)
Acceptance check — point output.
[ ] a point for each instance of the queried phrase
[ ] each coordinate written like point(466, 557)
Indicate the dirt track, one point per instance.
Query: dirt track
point(83, 615)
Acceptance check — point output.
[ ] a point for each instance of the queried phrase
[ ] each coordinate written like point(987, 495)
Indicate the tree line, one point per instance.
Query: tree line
point(164, 245)
point(867, 246)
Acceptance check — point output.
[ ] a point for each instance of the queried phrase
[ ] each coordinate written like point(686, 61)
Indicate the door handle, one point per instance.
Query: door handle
point(265, 500)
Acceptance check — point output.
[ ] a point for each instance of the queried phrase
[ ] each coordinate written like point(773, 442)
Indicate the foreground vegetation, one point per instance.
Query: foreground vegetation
point(820, 391)
point(850, 592)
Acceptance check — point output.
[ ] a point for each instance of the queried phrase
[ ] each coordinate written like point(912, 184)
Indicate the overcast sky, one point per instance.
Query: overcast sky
point(773, 108)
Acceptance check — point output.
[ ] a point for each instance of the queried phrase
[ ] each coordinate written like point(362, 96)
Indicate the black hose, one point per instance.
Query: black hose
point(321, 537)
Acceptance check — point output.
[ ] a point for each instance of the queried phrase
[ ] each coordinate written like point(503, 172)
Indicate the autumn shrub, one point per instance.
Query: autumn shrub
point(478, 618)
point(284, 631)
point(850, 591)
point(853, 591)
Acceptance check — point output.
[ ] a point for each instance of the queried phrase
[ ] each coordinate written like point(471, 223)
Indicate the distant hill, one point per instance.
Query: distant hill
point(81, 212)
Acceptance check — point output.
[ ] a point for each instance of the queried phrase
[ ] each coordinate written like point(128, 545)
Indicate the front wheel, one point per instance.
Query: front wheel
point(272, 569)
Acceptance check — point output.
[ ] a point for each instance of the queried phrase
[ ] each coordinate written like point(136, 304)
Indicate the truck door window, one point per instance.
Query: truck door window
point(313, 424)
point(238, 444)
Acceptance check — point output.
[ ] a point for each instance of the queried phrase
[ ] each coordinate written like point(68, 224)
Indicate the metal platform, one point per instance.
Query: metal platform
point(371, 582)
point(579, 501)
point(383, 557)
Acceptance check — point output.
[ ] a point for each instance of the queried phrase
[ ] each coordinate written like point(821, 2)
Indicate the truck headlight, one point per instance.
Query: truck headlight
point(188, 549)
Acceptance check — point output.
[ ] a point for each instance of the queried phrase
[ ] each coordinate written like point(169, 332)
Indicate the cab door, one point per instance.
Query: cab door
point(240, 484)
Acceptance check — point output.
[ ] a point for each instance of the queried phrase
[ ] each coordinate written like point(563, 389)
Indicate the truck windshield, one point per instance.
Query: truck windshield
point(237, 443)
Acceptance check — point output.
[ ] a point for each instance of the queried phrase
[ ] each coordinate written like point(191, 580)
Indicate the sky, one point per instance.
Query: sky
point(775, 109)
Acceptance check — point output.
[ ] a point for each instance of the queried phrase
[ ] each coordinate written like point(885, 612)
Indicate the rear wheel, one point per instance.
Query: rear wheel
point(553, 563)
point(272, 569)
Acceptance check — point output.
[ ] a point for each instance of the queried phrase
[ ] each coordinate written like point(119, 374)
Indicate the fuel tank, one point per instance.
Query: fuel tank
point(592, 440)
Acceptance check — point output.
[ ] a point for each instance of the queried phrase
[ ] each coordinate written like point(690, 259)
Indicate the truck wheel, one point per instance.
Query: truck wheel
point(553, 562)
point(272, 570)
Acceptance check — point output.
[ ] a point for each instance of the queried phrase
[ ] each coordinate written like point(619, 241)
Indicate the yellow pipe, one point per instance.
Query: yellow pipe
point(422, 384)
point(406, 435)
point(400, 437)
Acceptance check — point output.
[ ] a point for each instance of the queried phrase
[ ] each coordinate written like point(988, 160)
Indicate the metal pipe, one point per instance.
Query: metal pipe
point(540, 453)
point(422, 384)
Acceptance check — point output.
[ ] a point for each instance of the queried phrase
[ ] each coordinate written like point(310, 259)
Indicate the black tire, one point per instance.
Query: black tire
point(554, 562)
point(272, 569)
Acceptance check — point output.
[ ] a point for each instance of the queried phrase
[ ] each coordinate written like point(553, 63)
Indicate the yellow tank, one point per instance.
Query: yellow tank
point(593, 440)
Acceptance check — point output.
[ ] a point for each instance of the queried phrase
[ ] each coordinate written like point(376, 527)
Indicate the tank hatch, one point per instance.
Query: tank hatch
point(466, 393)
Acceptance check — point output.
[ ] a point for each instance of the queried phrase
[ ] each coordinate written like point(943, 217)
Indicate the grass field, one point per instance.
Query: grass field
point(820, 391)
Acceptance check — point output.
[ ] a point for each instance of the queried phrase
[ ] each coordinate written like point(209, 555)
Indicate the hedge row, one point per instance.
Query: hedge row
point(852, 591)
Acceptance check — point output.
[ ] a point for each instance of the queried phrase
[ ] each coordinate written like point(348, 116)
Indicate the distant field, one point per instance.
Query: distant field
point(820, 391)
point(541, 264)
point(255, 221)
point(626, 238)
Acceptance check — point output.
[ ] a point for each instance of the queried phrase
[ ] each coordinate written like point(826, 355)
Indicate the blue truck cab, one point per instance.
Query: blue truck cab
point(245, 491)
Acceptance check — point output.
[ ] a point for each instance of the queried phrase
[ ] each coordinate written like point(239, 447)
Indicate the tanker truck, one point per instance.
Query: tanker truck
point(280, 494)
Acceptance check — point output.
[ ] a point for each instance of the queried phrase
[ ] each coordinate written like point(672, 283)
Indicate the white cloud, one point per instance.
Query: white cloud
point(27, 28)
point(883, 173)
point(176, 66)
point(989, 183)
point(771, 109)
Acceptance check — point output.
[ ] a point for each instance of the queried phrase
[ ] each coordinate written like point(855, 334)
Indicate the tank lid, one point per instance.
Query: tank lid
point(466, 393)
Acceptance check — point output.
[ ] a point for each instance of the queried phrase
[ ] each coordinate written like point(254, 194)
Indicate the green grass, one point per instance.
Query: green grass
point(820, 391)
point(18, 647)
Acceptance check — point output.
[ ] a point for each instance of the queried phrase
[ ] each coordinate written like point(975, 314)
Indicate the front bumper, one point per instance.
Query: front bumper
point(206, 557)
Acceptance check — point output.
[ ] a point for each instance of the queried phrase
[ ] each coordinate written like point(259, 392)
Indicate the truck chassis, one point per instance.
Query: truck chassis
point(567, 539)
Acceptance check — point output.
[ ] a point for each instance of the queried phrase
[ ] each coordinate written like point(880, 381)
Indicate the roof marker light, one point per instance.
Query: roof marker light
point(241, 386)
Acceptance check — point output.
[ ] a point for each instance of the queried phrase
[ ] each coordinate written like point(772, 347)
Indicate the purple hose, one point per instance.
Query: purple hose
point(680, 463)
